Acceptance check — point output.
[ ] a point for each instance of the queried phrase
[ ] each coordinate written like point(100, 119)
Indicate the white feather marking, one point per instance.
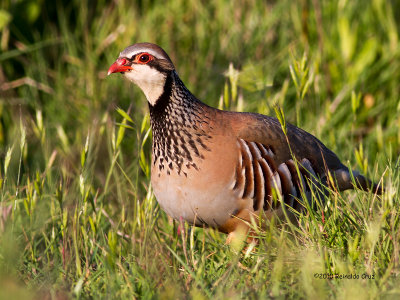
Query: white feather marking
point(276, 180)
point(251, 175)
point(154, 53)
point(244, 145)
point(241, 187)
point(235, 179)
point(150, 81)
point(307, 165)
point(262, 186)
point(255, 148)
point(240, 156)
point(286, 173)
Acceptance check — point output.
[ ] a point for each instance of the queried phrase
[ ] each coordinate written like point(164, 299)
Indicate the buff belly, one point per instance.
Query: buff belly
point(196, 206)
point(209, 200)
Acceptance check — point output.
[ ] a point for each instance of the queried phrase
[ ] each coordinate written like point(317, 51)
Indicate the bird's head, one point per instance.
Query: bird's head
point(146, 65)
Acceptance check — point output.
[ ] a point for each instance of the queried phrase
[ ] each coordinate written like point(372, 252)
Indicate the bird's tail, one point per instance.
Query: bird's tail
point(345, 182)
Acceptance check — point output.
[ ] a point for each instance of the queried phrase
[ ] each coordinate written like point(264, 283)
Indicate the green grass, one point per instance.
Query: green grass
point(77, 215)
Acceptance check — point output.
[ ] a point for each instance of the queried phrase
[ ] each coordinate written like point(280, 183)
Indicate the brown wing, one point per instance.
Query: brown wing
point(268, 131)
point(259, 179)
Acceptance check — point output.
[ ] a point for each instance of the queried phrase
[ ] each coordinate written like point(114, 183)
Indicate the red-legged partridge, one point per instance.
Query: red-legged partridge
point(216, 167)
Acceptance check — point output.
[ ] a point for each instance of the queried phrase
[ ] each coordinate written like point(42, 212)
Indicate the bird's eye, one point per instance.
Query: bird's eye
point(144, 58)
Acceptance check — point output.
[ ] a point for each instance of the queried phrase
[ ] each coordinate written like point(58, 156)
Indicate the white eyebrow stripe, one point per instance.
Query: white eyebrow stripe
point(141, 50)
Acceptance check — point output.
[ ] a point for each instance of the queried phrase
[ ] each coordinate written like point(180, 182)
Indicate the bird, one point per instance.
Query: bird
point(222, 169)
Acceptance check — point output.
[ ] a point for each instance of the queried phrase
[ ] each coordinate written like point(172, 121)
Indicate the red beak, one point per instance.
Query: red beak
point(119, 66)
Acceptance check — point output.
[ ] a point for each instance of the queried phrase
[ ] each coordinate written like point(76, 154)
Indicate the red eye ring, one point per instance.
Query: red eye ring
point(143, 58)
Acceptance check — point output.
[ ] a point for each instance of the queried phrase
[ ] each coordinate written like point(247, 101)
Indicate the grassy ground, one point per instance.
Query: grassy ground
point(77, 215)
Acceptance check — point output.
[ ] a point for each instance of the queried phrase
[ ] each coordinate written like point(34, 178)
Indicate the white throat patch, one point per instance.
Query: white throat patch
point(150, 80)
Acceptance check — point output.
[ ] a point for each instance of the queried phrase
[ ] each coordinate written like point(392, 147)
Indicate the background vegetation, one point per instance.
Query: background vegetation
point(77, 215)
